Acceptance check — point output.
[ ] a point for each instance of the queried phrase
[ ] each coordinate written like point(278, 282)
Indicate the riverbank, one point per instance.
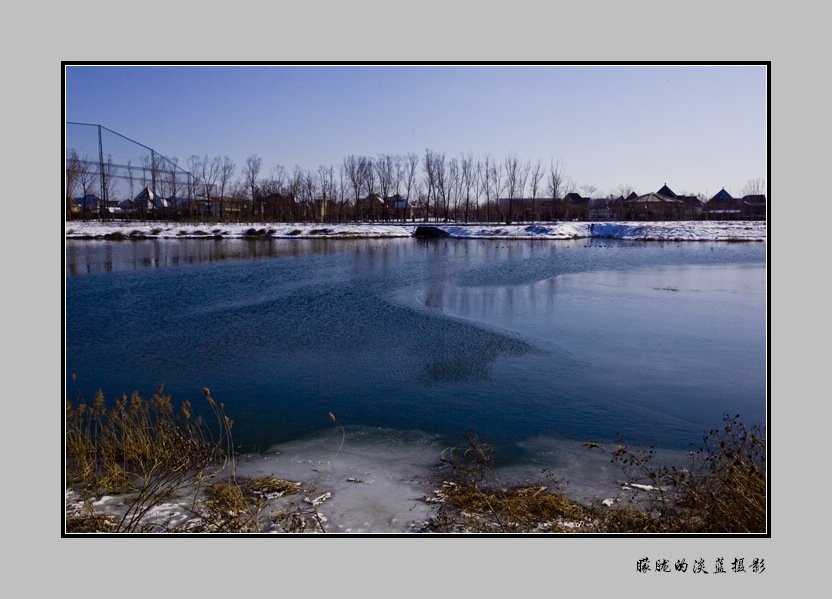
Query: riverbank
point(628, 231)
point(382, 481)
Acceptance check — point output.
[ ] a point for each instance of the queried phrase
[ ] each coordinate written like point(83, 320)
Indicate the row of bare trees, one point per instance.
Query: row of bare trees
point(432, 187)
point(460, 188)
point(436, 187)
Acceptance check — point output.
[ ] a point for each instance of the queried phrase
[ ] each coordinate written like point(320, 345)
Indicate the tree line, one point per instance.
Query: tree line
point(386, 187)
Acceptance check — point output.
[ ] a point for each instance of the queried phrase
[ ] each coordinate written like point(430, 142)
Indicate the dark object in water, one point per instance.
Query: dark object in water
point(430, 232)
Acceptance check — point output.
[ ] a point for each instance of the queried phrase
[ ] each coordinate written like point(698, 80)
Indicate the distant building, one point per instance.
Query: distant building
point(89, 202)
point(654, 206)
point(369, 208)
point(723, 206)
point(398, 208)
point(754, 207)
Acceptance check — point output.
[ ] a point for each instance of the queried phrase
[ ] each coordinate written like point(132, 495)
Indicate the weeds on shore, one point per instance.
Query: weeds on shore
point(146, 449)
point(723, 491)
point(152, 455)
point(156, 458)
point(472, 499)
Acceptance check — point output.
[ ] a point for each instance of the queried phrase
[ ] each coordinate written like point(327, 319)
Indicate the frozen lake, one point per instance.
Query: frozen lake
point(537, 345)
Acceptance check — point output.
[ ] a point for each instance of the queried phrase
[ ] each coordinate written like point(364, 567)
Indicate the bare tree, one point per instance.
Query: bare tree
point(569, 185)
point(399, 170)
point(295, 185)
point(131, 180)
point(194, 183)
point(326, 184)
point(107, 180)
point(309, 191)
point(435, 181)
point(469, 179)
point(514, 180)
point(73, 176)
point(279, 179)
point(485, 184)
point(343, 186)
point(385, 173)
point(454, 189)
point(429, 181)
point(410, 178)
point(250, 173)
point(624, 190)
point(754, 187)
point(480, 184)
point(226, 172)
point(496, 184)
point(369, 177)
point(210, 172)
point(86, 179)
point(554, 185)
point(442, 185)
point(536, 174)
point(173, 177)
point(352, 169)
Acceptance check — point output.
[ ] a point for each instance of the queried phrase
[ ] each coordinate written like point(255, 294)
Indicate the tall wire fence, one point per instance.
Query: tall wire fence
point(110, 176)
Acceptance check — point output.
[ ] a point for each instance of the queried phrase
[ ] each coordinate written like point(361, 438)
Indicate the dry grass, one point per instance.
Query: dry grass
point(723, 491)
point(472, 499)
point(155, 457)
point(146, 448)
point(151, 453)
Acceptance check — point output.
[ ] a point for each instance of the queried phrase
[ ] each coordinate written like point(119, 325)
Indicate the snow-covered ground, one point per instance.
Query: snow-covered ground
point(631, 231)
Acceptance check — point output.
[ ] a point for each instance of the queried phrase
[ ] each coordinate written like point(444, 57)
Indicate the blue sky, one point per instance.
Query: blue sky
point(698, 128)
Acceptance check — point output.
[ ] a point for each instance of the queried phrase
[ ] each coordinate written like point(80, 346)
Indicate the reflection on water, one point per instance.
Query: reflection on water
point(582, 340)
point(96, 256)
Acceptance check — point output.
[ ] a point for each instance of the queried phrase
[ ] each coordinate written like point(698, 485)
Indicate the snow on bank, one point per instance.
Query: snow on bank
point(629, 231)
point(383, 481)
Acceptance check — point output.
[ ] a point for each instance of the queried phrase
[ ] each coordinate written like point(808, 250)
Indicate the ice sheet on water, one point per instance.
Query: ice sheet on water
point(381, 478)
point(380, 481)
point(377, 480)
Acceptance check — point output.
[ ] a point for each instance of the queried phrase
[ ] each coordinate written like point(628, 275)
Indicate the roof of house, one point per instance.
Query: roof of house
point(396, 201)
point(146, 193)
point(754, 199)
point(690, 201)
point(666, 191)
point(722, 196)
point(655, 198)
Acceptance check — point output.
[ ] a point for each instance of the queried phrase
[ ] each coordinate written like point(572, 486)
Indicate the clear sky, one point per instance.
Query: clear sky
point(697, 128)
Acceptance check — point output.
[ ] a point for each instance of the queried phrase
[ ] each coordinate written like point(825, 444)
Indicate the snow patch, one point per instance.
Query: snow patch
point(628, 231)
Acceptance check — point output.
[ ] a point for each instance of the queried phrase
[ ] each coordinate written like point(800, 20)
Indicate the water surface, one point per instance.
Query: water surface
point(522, 341)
